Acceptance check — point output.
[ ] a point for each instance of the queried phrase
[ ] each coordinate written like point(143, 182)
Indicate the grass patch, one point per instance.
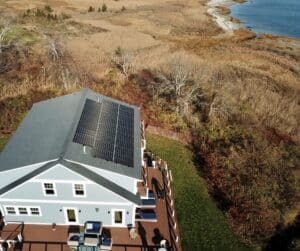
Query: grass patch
point(202, 224)
point(22, 35)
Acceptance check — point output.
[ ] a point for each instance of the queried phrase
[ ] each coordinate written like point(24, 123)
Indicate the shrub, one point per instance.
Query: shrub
point(104, 7)
point(48, 9)
point(91, 9)
point(65, 16)
point(123, 8)
point(40, 13)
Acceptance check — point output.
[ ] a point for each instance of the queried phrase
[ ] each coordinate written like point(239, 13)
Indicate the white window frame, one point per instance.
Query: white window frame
point(26, 210)
point(6, 211)
point(39, 210)
point(16, 207)
point(74, 190)
point(44, 189)
point(66, 215)
point(113, 217)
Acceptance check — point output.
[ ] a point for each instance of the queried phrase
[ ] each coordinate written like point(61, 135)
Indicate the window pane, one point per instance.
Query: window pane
point(22, 210)
point(48, 185)
point(118, 217)
point(79, 186)
point(48, 191)
point(79, 192)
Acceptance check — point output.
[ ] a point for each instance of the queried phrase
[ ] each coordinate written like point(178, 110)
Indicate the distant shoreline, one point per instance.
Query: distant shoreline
point(223, 20)
point(220, 10)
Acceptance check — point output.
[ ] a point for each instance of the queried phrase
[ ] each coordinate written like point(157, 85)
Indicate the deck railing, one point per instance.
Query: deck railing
point(173, 226)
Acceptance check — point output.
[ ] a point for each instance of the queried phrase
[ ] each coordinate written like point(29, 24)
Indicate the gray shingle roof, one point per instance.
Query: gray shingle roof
point(47, 132)
point(98, 179)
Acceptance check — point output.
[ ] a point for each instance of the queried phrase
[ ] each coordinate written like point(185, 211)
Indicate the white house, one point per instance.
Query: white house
point(74, 159)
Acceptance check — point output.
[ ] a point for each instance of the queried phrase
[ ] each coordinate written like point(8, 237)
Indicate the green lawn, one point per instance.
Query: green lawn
point(202, 224)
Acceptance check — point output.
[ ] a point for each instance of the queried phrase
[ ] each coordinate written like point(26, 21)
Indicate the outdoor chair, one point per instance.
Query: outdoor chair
point(74, 236)
point(93, 227)
point(106, 243)
point(73, 239)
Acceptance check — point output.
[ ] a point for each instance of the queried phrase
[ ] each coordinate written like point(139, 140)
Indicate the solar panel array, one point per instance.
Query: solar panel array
point(108, 128)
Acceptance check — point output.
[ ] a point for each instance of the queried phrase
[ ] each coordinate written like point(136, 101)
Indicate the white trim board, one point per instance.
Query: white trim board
point(66, 202)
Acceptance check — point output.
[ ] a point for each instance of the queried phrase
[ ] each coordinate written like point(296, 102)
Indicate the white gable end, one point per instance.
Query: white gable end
point(60, 173)
point(7, 177)
point(63, 180)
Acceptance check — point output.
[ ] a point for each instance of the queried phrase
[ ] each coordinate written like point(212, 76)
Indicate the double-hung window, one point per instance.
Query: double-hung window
point(79, 190)
point(22, 210)
point(49, 189)
point(35, 211)
point(10, 210)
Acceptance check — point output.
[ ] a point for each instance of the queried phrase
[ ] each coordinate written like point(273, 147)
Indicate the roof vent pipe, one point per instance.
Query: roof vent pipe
point(84, 149)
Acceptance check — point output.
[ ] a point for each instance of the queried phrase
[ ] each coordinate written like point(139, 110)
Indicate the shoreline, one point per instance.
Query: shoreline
point(223, 20)
point(230, 24)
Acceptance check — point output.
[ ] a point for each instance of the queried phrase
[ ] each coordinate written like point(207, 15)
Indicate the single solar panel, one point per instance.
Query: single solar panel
point(124, 139)
point(105, 137)
point(87, 125)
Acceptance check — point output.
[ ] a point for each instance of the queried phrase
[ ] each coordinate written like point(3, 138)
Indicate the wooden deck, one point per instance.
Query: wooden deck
point(43, 237)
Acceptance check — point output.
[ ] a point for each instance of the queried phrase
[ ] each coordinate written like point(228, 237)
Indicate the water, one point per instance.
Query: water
point(279, 17)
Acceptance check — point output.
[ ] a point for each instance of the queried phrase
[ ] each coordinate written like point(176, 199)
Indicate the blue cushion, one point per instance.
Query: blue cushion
point(106, 241)
point(75, 238)
point(149, 202)
point(148, 215)
point(96, 226)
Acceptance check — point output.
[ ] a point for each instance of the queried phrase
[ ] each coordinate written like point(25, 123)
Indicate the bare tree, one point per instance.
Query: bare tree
point(55, 49)
point(122, 58)
point(178, 81)
point(68, 80)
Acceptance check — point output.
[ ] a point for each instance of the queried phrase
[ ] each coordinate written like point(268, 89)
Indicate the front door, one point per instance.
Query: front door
point(71, 215)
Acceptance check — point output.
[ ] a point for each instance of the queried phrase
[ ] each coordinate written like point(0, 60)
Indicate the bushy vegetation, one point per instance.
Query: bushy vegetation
point(202, 225)
point(248, 165)
point(248, 177)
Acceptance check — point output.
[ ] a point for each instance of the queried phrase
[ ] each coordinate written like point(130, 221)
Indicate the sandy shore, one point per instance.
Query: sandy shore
point(222, 20)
